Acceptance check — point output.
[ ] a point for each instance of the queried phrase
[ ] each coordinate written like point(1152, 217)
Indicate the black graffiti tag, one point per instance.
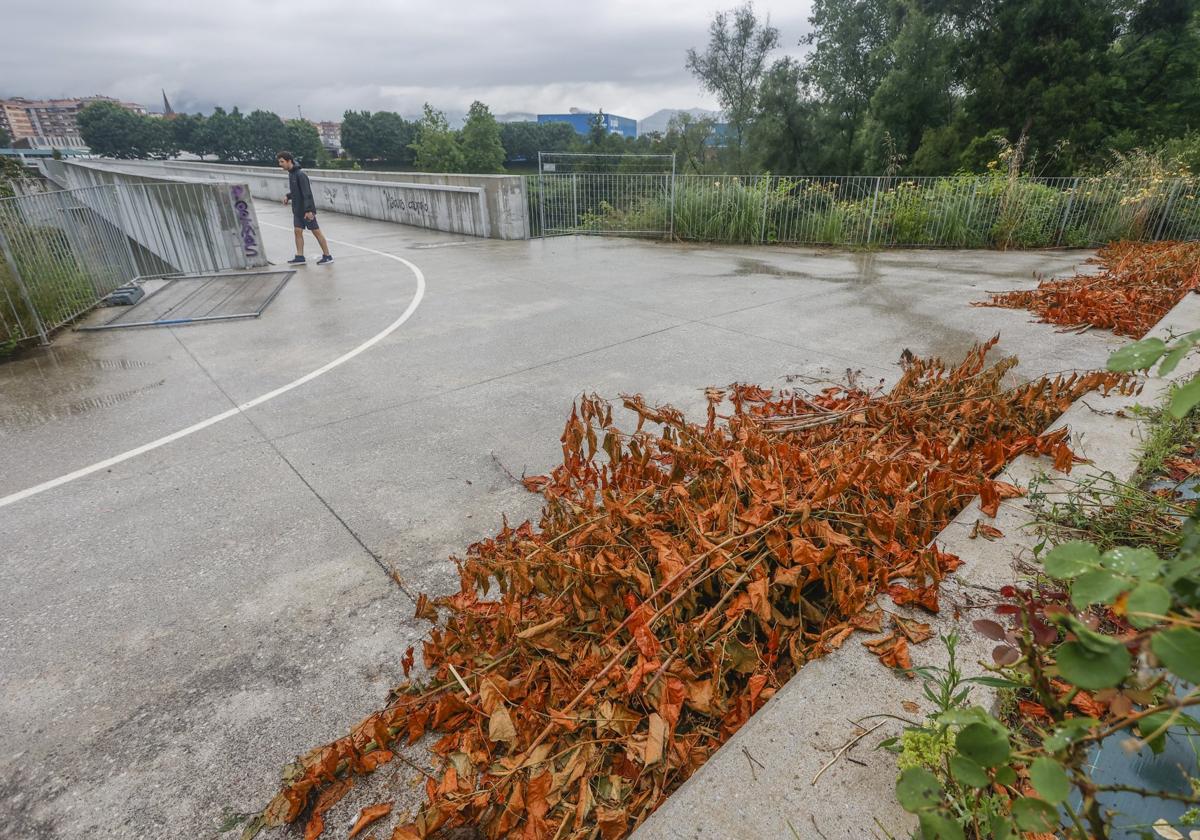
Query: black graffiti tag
point(397, 202)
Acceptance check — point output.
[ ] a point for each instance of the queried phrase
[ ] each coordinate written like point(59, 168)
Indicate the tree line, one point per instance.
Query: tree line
point(113, 131)
point(931, 87)
point(381, 138)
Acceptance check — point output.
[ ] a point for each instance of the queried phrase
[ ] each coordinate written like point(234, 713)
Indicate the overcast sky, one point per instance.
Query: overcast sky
point(625, 56)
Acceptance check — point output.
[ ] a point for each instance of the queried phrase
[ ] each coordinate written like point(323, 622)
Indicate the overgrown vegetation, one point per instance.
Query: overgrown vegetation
point(997, 210)
point(1102, 641)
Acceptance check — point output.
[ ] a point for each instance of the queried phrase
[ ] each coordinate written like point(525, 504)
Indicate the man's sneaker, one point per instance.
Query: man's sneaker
point(325, 259)
point(297, 260)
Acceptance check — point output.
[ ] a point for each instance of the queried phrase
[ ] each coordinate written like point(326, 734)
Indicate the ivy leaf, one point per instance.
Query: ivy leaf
point(1071, 559)
point(1069, 732)
point(1049, 780)
point(1035, 814)
point(1185, 398)
point(983, 744)
point(1179, 650)
point(1134, 562)
point(1173, 358)
point(1090, 670)
point(967, 772)
point(1001, 828)
point(1151, 600)
point(935, 826)
point(918, 790)
point(1006, 775)
point(1137, 356)
point(1098, 586)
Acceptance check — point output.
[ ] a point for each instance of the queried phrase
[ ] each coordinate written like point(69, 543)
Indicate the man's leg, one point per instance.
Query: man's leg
point(299, 231)
point(321, 241)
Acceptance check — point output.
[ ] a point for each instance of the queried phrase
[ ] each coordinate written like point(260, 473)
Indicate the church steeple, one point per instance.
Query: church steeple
point(167, 111)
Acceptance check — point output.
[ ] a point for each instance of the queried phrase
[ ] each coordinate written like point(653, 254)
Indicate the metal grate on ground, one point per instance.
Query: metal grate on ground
point(190, 299)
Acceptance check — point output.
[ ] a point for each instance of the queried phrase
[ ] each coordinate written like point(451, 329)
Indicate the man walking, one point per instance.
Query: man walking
point(304, 209)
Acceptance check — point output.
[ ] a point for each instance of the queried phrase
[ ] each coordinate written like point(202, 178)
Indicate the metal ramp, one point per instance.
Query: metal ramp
point(196, 298)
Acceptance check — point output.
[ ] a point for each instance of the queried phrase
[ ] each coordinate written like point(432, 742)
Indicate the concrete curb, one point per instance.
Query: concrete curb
point(759, 784)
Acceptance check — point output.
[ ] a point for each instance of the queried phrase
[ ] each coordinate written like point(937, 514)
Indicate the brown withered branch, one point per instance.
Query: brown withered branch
point(1137, 285)
point(680, 573)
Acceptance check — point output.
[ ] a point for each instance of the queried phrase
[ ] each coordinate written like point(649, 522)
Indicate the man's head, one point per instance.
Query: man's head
point(285, 160)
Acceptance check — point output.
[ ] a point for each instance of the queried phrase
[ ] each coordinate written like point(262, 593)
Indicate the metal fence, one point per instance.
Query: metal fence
point(862, 211)
point(63, 251)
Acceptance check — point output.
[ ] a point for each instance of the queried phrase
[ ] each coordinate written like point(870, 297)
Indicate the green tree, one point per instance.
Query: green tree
point(523, 140)
point(111, 131)
point(733, 66)
point(393, 137)
point(358, 135)
point(10, 172)
point(850, 56)
point(1041, 69)
point(302, 139)
point(225, 135)
point(265, 135)
point(480, 140)
point(689, 139)
point(5, 140)
point(436, 147)
point(187, 130)
point(1156, 84)
point(782, 137)
point(913, 96)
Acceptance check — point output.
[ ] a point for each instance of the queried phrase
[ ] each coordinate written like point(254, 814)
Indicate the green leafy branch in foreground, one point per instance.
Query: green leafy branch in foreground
point(1109, 645)
point(1142, 355)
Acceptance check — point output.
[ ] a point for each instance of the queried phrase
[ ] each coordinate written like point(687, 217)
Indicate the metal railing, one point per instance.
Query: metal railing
point(60, 256)
point(867, 211)
point(63, 251)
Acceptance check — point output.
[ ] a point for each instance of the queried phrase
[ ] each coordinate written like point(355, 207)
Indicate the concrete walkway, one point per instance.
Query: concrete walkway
point(176, 627)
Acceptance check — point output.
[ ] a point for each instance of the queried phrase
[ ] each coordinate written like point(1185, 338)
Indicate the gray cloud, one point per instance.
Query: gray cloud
point(625, 56)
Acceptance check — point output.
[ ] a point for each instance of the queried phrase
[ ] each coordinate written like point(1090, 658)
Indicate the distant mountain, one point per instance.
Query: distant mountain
point(659, 119)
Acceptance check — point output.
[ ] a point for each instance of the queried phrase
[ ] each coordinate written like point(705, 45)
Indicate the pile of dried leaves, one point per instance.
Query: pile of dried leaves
point(1138, 284)
point(676, 580)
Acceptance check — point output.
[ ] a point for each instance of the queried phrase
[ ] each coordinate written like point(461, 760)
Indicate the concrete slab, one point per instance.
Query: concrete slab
point(175, 627)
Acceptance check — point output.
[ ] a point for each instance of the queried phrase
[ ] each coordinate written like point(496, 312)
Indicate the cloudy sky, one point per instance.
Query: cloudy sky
point(625, 56)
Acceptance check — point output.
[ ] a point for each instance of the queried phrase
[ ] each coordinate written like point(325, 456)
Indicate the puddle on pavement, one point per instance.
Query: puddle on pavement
point(748, 267)
point(34, 415)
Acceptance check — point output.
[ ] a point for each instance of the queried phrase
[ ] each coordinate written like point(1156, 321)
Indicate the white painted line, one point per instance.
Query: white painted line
point(270, 395)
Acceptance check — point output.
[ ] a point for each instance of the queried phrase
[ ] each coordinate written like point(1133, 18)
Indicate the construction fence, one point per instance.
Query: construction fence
point(966, 211)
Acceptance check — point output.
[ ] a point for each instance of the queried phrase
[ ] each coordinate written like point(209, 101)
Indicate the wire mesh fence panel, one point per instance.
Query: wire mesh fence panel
point(629, 195)
point(64, 251)
point(960, 211)
point(60, 257)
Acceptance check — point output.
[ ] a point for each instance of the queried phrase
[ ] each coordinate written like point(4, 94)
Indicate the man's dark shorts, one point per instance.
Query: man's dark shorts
point(299, 221)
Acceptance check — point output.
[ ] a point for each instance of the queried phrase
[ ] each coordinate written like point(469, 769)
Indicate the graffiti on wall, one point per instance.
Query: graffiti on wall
point(248, 234)
point(396, 201)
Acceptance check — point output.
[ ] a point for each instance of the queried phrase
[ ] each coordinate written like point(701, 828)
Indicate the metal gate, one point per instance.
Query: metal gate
point(625, 195)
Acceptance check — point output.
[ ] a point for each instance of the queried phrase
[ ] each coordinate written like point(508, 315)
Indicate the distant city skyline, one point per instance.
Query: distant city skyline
point(622, 56)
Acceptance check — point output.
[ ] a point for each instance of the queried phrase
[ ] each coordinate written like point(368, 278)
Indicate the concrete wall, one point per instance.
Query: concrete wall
point(189, 226)
point(490, 206)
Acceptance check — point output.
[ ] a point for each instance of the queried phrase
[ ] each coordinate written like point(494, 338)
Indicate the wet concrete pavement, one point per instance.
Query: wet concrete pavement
point(176, 627)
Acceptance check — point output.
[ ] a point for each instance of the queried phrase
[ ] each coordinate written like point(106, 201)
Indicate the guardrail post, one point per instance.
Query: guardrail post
point(762, 228)
point(671, 213)
point(16, 275)
point(1167, 209)
point(871, 220)
point(1062, 226)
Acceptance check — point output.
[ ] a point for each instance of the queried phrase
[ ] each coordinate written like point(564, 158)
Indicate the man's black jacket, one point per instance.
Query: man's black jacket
point(300, 192)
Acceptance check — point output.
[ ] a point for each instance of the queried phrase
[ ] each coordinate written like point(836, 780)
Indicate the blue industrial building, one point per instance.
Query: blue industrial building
point(582, 122)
